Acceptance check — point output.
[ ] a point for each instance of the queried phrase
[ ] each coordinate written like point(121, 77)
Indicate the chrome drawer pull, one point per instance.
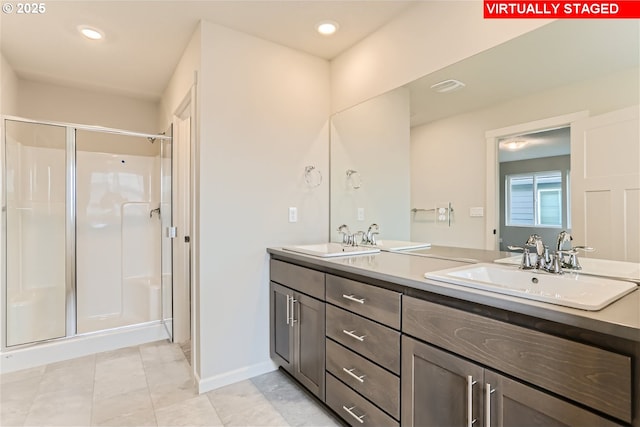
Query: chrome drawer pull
point(353, 298)
point(293, 312)
point(487, 400)
point(470, 384)
point(352, 335)
point(350, 412)
point(350, 372)
point(288, 308)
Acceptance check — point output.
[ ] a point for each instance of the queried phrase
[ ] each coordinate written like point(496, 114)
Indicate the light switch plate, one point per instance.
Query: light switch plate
point(360, 214)
point(293, 214)
point(477, 211)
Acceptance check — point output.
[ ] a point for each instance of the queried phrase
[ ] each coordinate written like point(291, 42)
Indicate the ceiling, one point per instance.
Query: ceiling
point(559, 54)
point(547, 143)
point(145, 39)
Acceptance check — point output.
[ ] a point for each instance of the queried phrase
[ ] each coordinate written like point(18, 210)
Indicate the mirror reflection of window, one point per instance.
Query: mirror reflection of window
point(534, 194)
point(534, 199)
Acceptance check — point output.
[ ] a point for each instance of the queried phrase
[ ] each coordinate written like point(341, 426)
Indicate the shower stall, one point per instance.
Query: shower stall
point(86, 231)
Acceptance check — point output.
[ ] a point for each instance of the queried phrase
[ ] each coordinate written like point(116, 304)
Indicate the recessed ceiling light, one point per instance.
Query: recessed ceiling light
point(327, 28)
point(448, 86)
point(90, 32)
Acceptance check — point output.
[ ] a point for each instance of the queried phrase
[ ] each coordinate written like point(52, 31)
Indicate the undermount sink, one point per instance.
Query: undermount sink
point(327, 250)
point(570, 289)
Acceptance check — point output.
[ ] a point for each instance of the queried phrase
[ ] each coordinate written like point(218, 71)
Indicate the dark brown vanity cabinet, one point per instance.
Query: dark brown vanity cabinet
point(441, 389)
point(363, 352)
point(379, 357)
point(457, 382)
point(297, 315)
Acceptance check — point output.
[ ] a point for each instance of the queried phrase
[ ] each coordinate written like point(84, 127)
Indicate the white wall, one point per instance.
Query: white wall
point(425, 38)
point(181, 80)
point(373, 139)
point(43, 101)
point(448, 157)
point(8, 88)
point(263, 118)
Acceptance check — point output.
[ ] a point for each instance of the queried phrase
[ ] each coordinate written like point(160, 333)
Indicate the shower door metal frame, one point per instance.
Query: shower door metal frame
point(70, 221)
point(70, 232)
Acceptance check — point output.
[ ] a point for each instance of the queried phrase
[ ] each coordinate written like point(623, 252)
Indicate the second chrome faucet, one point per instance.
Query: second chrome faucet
point(563, 258)
point(359, 237)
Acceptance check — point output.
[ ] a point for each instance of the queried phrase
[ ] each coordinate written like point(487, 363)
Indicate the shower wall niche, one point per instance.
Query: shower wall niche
point(82, 230)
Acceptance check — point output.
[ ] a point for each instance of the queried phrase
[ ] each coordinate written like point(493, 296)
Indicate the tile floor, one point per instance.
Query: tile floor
point(149, 385)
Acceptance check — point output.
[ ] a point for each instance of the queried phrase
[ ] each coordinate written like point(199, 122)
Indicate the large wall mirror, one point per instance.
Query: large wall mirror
point(425, 165)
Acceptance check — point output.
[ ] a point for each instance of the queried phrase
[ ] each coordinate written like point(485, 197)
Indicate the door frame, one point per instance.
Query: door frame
point(492, 182)
point(185, 253)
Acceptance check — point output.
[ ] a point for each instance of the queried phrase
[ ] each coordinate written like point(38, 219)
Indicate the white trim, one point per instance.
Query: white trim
point(231, 377)
point(492, 183)
point(188, 108)
point(80, 345)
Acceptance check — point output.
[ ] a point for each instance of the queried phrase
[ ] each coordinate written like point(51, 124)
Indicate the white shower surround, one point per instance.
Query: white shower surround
point(118, 240)
point(118, 244)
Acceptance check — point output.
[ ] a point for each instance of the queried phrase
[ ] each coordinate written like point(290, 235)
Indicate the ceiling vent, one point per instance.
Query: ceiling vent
point(448, 86)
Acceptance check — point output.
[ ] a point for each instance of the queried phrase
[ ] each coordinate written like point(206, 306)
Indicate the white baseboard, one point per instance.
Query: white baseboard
point(231, 377)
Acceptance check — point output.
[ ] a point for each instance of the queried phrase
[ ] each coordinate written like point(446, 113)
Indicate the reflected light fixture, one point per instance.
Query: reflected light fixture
point(90, 32)
point(327, 28)
point(447, 86)
point(513, 144)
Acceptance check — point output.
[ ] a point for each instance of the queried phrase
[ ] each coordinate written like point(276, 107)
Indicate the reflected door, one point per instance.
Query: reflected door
point(36, 276)
point(168, 232)
point(605, 184)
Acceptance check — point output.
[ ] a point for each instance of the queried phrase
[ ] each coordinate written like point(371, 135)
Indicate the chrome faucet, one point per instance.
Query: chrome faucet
point(544, 260)
point(569, 256)
point(370, 236)
point(346, 234)
point(563, 237)
point(349, 239)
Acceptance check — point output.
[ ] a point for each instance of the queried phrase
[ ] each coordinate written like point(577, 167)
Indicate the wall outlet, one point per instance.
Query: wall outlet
point(360, 214)
point(293, 214)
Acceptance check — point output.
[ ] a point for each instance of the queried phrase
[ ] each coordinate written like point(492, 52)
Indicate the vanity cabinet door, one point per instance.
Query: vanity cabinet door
point(438, 388)
point(309, 343)
point(297, 336)
point(281, 339)
point(510, 403)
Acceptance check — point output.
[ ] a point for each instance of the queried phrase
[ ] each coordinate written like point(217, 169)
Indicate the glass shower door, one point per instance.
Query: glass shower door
point(37, 281)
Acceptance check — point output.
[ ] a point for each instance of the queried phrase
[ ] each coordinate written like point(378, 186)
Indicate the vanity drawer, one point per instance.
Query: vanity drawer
point(305, 280)
point(592, 376)
point(379, 304)
point(370, 339)
point(353, 408)
point(376, 384)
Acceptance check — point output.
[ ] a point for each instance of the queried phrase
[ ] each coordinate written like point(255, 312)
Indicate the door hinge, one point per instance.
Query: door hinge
point(172, 232)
